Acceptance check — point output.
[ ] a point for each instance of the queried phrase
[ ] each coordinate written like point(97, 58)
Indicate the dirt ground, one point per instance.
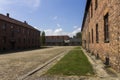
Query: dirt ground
point(14, 65)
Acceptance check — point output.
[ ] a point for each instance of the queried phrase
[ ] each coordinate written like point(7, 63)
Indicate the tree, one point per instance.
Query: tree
point(43, 38)
point(79, 35)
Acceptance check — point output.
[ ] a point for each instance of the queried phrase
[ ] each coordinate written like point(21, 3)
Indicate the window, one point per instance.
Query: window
point(12, 33)
point(29, 41)
point(96, 4)
point(24, 40)
point(4, 40)
point(11, 27)
point(88, 17)
point(97, 34)
point(32, 41)
point(28, 32)
point(91, 10)
point(89, 37)
point(18, 29)
point(92, 36)
point(106, 29)
point(23, 31)
point(4, 26)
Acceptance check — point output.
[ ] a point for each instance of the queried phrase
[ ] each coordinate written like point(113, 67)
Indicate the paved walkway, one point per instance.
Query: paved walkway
point(102, 73)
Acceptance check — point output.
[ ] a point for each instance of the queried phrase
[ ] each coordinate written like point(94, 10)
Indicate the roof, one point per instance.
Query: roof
point(57, 38)
point(54, 40)
point(14, 21)
point(85, 13)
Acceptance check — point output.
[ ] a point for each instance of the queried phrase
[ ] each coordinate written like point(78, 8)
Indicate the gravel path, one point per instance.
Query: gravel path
point(14, 65)
point(43, 70)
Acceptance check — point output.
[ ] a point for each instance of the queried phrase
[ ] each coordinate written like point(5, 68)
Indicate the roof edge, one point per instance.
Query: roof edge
point(18, 22)
point(85, 13)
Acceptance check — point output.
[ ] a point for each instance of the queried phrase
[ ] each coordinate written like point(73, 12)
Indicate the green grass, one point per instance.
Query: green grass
point(77, 47)
point(74, 63)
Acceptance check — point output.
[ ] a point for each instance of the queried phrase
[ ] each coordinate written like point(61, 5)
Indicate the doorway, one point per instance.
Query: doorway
point(12, 45)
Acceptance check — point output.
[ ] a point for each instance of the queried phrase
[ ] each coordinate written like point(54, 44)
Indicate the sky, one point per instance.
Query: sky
point(55, 17)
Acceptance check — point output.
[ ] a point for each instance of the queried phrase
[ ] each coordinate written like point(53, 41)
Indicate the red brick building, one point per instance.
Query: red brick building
point(15, 34)
point(101, 30)
point(56, 40)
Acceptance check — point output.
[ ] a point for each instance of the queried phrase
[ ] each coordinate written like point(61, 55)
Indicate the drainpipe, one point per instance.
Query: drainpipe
point(118, 43)
point(88, 22)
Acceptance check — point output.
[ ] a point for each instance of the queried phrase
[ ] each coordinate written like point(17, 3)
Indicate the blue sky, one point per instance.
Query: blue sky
point(55, 17)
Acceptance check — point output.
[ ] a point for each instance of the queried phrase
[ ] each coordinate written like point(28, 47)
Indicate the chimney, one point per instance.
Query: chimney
point(25, 22)
point(7, 14)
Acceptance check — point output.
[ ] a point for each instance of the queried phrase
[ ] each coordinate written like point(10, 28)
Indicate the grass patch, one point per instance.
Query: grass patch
point(74, 63)
point(77, 47)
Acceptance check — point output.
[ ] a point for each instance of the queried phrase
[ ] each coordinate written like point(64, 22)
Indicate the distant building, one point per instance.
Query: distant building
point(75, 42)
point(15, 34)
point(56, 40)
point(62, 41)
point(101, 30)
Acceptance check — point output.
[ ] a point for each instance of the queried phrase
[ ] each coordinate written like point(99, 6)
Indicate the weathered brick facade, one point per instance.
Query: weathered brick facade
point(15, 34)
point(94, 41)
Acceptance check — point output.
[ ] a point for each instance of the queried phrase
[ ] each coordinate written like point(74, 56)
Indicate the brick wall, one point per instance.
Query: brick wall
point(17, 36)
point(112, 48)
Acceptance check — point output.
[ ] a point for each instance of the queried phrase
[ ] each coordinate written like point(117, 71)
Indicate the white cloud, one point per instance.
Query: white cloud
point(4, 2)
point(60, 31)
point(55, 17)
point(21, 3)
point(49, 32)
point(75, 31)
point(37, 28)
point(75, 27)
point(58, 25)
point(36, 3)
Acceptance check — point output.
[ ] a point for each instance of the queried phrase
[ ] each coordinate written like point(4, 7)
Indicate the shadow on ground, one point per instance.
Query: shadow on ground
point(3, 52)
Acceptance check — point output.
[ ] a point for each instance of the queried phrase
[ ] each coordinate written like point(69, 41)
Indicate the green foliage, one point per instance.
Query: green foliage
point(77, 47)
point(79, 35)
point(74, 63)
